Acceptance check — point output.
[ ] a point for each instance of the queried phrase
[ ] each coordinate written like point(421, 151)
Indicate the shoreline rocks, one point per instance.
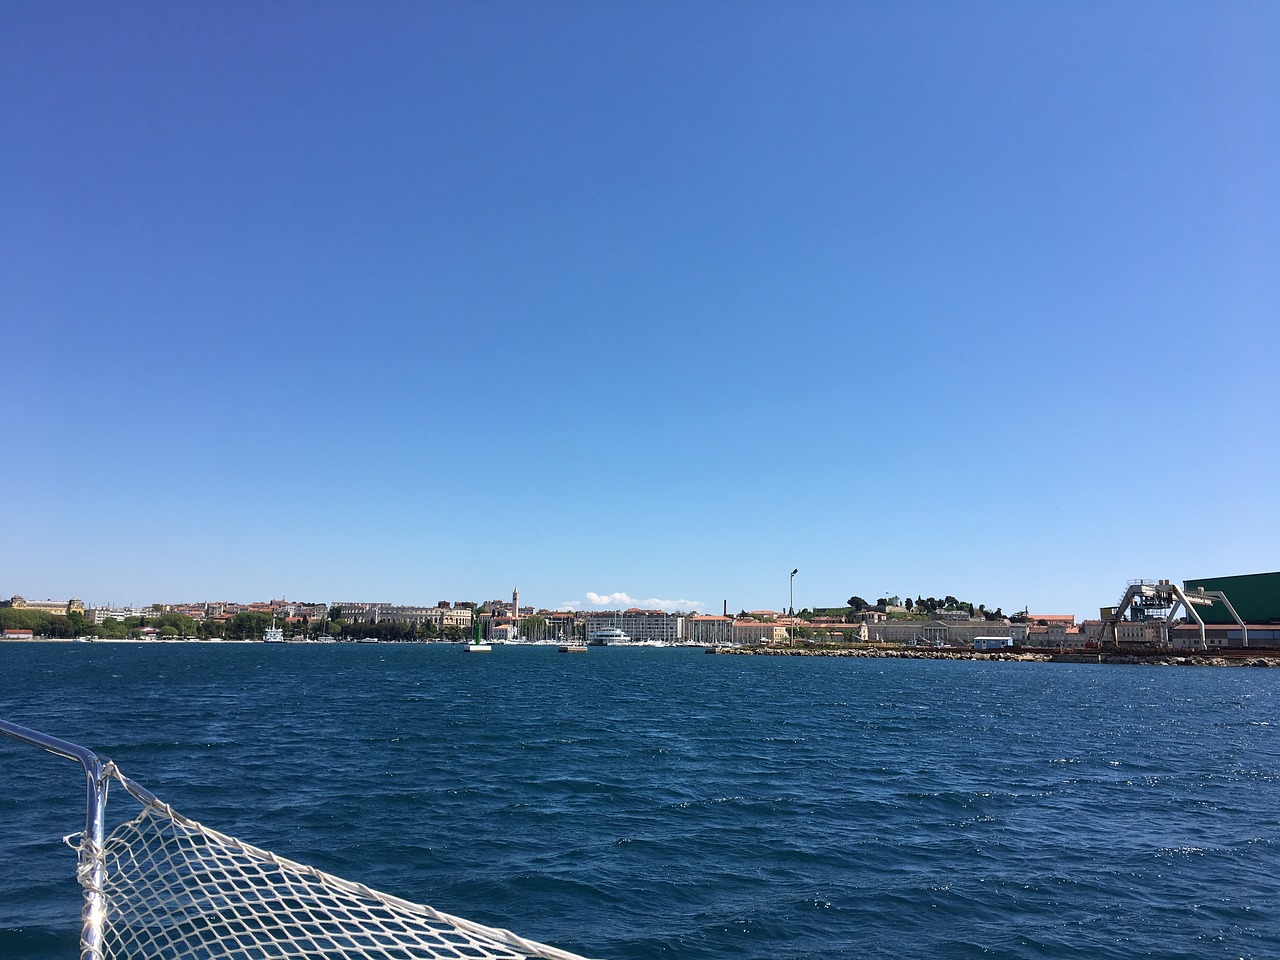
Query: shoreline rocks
point(875, 653)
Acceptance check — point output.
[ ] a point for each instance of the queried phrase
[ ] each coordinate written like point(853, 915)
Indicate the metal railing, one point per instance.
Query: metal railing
point(91, 877)
point(201, 906)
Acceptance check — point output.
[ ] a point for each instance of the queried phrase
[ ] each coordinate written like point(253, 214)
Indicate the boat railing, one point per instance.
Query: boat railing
point(164, 887)
point(94, 827)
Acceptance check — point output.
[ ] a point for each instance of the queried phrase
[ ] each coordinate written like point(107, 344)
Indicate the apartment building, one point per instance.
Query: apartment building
point(642, 626)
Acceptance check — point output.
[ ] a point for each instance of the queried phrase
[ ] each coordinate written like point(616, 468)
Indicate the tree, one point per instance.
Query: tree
point(182, 625)
point(37, 621)
point(247, 626)
point(60, 627)
point(908, 604)
point(857, 603)
point(210, 628)
point(111, 627)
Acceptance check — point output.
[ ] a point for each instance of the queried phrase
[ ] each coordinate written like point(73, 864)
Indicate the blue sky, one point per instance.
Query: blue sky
point(408, 302)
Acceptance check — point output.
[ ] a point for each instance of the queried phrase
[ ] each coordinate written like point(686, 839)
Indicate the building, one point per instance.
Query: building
point(438, 616)
point(1057, 635)
point(951, 633)
point(709, 630)
point(358, 612)
point(754, 633)
point(1049, 619)
point(1256, 597)
point(1186, 636)
point(642, 626)
point(987, 644)
point(61, 608)
point(292, 609)
point(835, 629)
point(100, 615)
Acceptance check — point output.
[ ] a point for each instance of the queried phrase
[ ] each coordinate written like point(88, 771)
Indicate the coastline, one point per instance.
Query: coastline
point(1270, 658)
point(1237, 658)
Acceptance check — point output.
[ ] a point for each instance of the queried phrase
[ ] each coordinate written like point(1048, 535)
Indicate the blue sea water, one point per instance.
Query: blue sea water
point(645, 803)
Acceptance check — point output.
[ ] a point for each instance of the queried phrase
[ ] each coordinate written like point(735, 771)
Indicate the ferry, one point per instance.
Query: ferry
point(274, 634)
point(605, 636)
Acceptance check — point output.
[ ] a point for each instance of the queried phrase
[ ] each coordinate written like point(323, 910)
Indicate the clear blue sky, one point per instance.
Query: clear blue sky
point(415, 301)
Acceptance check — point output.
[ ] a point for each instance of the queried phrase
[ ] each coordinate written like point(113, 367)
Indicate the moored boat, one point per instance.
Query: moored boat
point(605, 636)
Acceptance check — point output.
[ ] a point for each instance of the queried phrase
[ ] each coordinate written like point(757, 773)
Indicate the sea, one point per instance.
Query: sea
point(644, 803)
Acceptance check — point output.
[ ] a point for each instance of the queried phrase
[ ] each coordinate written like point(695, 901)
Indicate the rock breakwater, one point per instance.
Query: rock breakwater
point(1270, 659)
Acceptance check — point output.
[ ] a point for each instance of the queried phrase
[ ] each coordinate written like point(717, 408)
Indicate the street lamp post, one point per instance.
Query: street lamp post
point(791, 610)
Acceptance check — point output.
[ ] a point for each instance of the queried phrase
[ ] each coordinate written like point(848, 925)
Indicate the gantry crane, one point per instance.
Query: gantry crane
point(1166, 595)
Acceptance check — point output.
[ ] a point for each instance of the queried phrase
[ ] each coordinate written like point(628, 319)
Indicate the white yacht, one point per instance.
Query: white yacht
point(605, 636)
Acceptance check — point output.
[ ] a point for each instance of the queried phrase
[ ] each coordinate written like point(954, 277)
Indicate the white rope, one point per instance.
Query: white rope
point(90, 857)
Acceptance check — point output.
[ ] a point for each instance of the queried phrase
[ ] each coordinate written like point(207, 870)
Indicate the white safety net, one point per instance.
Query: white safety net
point(176, 890)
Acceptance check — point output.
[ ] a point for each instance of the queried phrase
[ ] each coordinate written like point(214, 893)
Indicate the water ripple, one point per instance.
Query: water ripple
point(639, 804)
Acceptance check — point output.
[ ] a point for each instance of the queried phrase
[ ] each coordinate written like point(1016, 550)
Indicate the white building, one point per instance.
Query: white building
point(642, 626)
point(100, 615)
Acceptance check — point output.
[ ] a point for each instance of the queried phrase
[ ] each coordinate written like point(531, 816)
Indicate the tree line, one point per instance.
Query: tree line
point(931, 606)
point(245, 625)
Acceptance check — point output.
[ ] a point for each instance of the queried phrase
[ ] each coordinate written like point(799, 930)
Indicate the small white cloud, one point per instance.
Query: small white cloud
point(624, 600)
point(610, 599)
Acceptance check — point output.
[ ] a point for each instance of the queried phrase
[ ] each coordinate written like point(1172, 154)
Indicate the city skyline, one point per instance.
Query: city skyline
point(655, 301)
point(595, 603)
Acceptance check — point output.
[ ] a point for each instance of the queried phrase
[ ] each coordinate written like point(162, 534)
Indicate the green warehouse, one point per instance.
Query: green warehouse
point(1256, 597)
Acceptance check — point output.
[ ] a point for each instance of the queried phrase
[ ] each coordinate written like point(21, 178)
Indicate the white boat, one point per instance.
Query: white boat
point(605, 636)
point(274, 634)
